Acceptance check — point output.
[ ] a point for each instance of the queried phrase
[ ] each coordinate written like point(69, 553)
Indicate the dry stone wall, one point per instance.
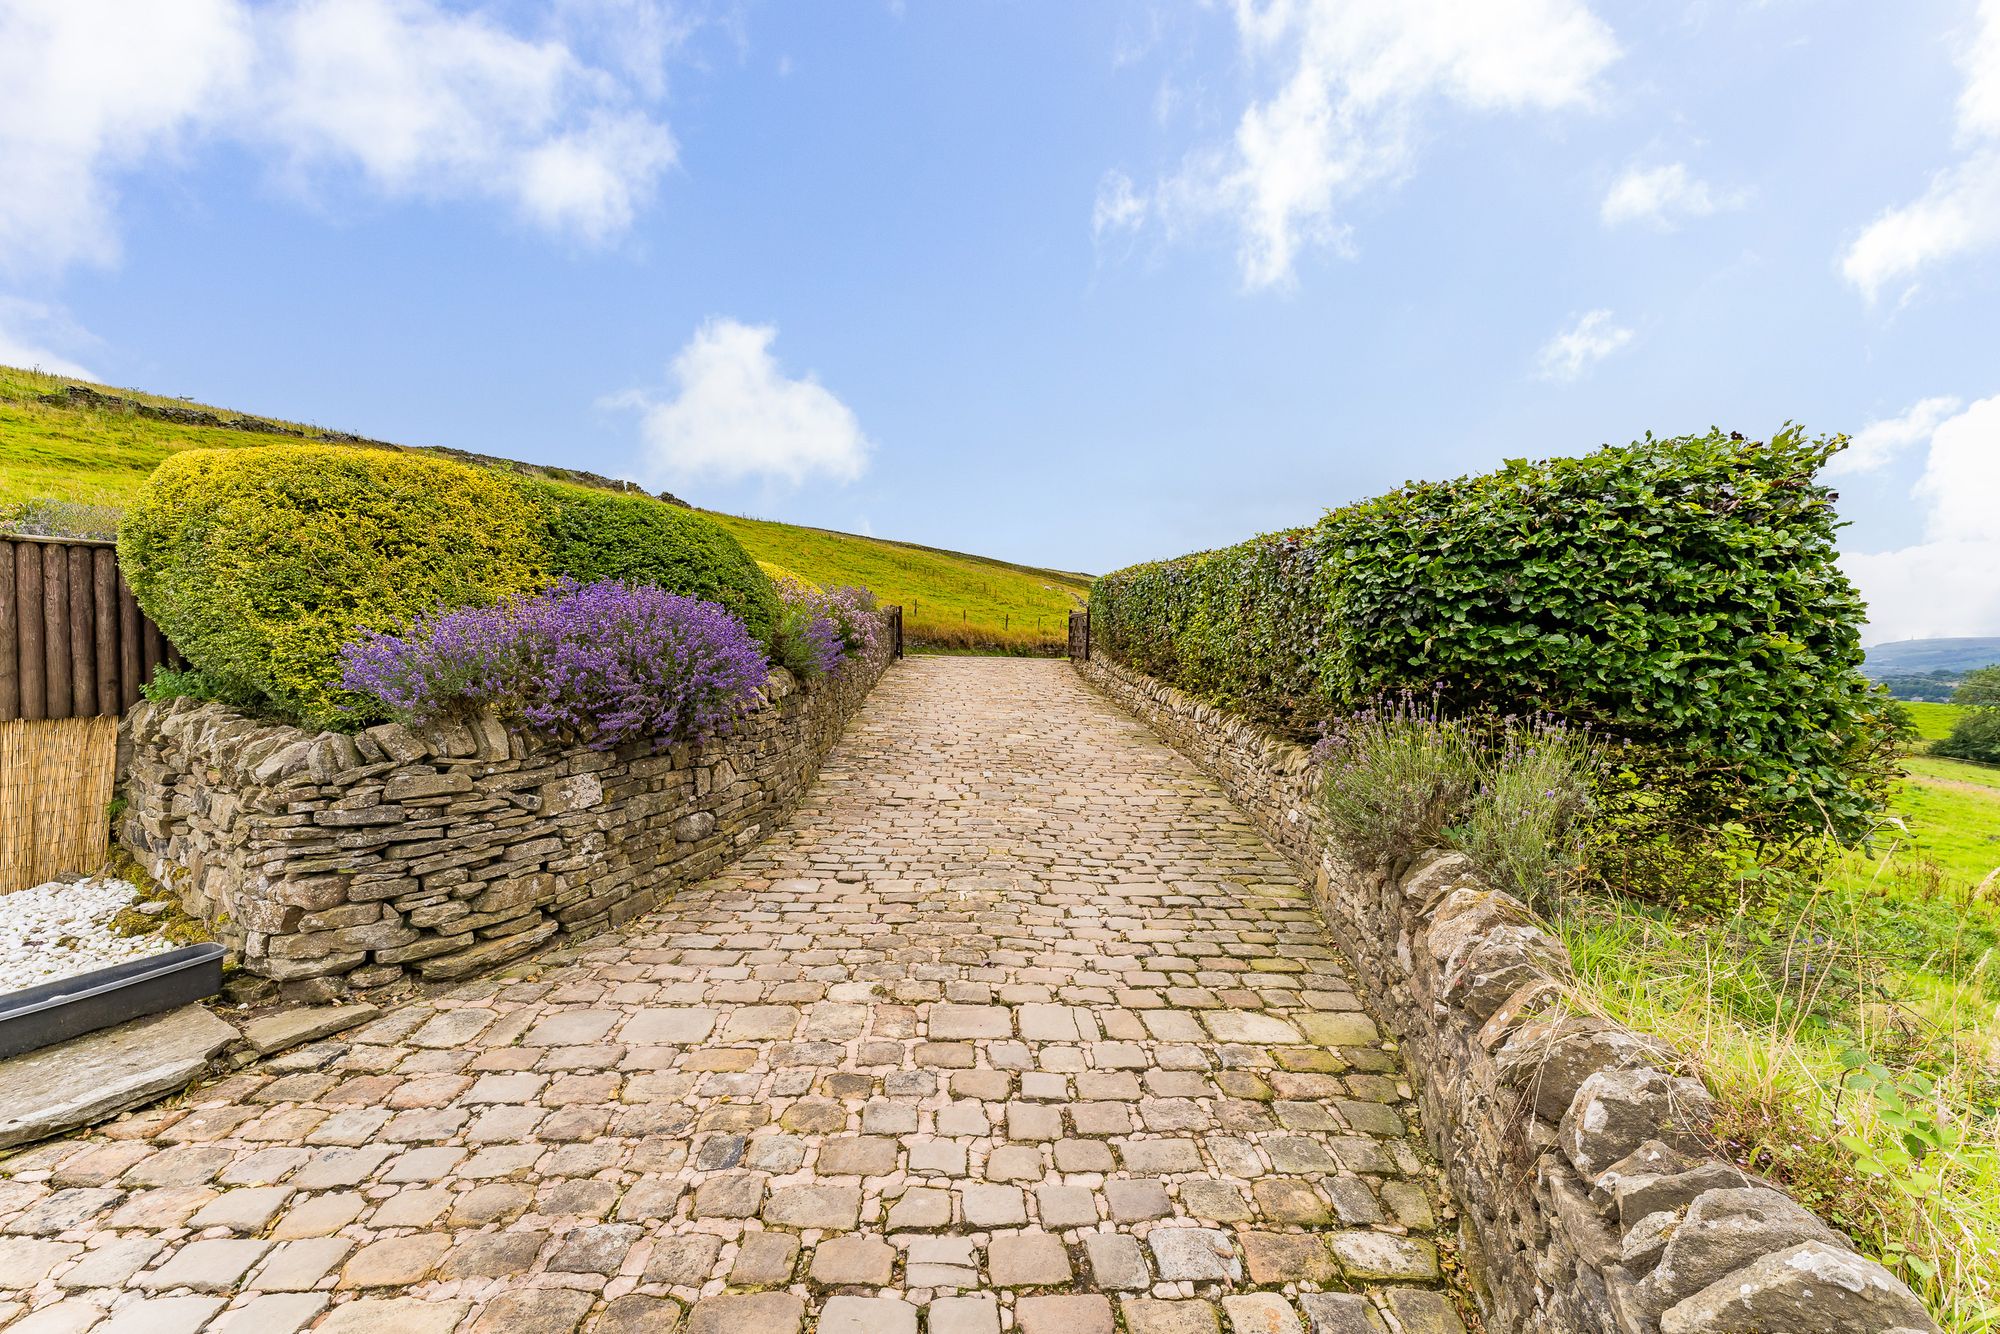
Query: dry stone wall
point(1589, 1199)
point(329, 862)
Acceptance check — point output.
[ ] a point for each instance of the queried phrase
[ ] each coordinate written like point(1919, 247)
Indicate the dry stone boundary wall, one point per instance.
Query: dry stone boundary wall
point(1589, 1200)
point(330, 863)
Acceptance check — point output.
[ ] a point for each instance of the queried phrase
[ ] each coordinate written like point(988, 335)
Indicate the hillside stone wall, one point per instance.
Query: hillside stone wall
point(330, 863)
point(1589, 1201)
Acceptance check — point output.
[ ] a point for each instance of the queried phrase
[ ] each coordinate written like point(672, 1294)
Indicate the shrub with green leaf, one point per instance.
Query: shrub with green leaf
point(169, 683)
point(1980, 688)
point(594, 535)
point(259, 564)
point(1681, 593)
point(1976, 736)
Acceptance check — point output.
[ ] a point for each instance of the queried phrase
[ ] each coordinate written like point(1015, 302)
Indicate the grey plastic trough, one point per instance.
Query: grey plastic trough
point(69, 1007)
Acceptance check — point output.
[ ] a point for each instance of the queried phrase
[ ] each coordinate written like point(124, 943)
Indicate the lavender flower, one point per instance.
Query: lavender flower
point(606, 662)
point(821, 629)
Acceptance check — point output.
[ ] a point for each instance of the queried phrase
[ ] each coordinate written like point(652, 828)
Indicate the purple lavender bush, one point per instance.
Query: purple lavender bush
point(607, 663)
point(819, 630)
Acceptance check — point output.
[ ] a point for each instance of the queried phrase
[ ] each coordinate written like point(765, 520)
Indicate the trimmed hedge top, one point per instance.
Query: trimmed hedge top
point(261, 563)
point(1681, 593)
point(596, 535)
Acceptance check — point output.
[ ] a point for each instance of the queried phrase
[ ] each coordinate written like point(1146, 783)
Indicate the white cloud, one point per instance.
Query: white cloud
point(1346, 83)
point(1959, 212)
point(1944, 585)
point(734, 415)
point(1661, 196)
point(421, 101)
point(1877, 443)
point(1576, 349)
point(1979, 102)
point(26, 330)
point(1119, 207)
point(415, 98)
point(635, 37)
point(93, 86)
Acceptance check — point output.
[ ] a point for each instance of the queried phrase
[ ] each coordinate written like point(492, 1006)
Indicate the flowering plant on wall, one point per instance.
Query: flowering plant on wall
point(820, 629)
point(606, 662)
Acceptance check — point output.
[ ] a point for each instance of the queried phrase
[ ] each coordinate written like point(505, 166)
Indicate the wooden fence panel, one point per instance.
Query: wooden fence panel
point(82, 636)
point(33, 616)
point(129, 620)
point(10, 650)
point(104, 610)
point(73, 642)
point(55, 631)
point(1079, 634)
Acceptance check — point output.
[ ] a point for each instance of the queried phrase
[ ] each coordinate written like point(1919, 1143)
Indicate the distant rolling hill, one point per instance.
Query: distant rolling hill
point(1932, 655)
point(1928, 669)
point(73, 455)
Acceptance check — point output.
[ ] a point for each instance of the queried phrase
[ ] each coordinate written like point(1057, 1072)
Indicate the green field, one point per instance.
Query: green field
point(1933, 720)
point(86, 457)
point(949, 600)
point(1895, 952)
point(73, 468)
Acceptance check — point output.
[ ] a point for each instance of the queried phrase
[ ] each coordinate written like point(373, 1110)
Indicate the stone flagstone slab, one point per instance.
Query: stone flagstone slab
point(271, 1033)
point(99, 1075)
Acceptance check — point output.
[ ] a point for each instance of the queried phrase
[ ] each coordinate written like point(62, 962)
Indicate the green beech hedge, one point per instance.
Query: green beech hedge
point(261, 563)
point(1682, 594)
point(591, 534)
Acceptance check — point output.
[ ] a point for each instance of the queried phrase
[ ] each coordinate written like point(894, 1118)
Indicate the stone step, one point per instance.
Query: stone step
point(101, 1074)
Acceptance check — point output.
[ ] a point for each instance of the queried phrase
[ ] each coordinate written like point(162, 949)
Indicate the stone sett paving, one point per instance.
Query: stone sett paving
point(1018, 1024)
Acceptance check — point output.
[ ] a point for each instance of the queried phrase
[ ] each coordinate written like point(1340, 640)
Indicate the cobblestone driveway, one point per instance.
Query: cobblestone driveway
point(1017, 1024)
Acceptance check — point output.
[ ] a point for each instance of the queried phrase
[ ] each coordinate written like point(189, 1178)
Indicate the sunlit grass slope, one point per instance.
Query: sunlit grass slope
point(949, 600)
point(75, 462)
point(1934, 721)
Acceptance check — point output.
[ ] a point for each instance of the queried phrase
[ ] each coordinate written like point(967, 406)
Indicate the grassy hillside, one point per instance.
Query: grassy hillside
point(85, 449)
point(72, 456)
point(949, 600)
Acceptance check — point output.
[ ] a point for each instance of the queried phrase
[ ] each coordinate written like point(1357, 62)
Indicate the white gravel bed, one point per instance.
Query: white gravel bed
point(63, 928)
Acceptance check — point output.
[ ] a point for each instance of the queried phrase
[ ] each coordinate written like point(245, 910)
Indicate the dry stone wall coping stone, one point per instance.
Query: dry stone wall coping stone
point(332, 864)
point(1577, 1149)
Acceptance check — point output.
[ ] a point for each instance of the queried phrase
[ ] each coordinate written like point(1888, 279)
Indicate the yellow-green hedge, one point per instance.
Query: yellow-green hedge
point(260, 563)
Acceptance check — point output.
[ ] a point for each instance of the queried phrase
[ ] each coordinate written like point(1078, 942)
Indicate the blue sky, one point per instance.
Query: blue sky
point(1072, 284)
